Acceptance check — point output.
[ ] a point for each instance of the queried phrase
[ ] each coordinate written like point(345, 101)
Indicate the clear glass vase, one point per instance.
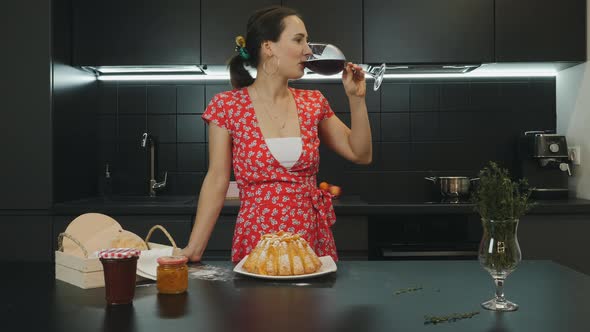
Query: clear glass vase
point(499, 254)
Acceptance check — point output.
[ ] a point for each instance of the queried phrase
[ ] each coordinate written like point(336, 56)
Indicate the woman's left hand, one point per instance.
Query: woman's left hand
point(353, 79)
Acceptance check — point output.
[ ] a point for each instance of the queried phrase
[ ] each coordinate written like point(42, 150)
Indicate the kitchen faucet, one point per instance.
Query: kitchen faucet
point(146, 140)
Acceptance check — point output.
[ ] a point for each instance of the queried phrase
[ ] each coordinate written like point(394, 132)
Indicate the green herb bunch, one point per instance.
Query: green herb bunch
point(498, 197)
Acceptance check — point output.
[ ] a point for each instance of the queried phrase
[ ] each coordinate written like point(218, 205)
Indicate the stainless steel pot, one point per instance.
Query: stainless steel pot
point(453, 186)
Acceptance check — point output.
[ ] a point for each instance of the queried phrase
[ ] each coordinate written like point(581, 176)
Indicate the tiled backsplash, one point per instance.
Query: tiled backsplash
point(420, 127)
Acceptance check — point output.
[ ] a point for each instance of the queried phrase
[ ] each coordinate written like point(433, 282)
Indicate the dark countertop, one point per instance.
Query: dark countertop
point(170, 205)
point(360, 296)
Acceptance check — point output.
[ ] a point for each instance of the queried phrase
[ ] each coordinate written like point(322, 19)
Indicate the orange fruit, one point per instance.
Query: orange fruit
point(335, 190)
point(324, 185)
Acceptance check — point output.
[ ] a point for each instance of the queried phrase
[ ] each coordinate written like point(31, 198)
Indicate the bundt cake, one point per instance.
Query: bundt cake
point(282, 254)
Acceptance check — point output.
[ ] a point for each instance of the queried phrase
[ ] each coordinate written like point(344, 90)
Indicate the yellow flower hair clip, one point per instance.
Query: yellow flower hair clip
point(240, 41)
point(241, 47)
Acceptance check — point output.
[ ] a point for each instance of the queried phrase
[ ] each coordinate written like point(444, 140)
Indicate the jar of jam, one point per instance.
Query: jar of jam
point(120, 266)
point(172, 276)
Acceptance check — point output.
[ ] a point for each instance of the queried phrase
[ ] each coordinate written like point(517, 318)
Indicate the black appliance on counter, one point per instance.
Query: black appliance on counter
point(424, 237)
point(544, 162)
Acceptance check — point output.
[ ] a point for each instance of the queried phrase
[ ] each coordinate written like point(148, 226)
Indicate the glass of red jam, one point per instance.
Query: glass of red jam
point(120, 267)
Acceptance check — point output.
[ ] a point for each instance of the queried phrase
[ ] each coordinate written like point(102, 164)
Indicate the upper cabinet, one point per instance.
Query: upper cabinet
point(428, 31)
point(335, 22)
point(540, 30)
point(223, 20)
point(156, 32)
point(136, 32)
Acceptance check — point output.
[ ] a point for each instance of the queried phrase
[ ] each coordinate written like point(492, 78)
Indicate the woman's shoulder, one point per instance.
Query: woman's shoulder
point(234, 94)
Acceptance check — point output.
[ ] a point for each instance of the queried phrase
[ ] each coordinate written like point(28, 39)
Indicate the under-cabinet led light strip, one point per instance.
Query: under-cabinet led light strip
point(162, 77)
point(310, 78)
point(486, 70)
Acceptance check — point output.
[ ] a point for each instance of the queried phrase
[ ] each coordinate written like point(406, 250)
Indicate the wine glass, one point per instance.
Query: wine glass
point(499, 254)
point(327, 59)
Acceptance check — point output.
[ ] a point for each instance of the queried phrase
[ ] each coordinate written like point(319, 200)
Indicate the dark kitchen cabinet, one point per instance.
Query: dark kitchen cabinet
point(424, 237)
point(136, 32)
point(27, 238)
point(560, 238)
point(333, 21)
point(179, 227)
point(350, 234)
point(351, 237)
point(540, 30)
point(220, 242)
point(428, 31)
point(26, 103)
point(223, 20)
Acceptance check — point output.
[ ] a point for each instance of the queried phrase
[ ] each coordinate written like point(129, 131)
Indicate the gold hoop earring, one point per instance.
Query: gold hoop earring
point(276, 69)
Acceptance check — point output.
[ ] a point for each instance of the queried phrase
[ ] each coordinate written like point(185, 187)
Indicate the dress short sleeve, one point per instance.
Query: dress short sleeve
point(216, 112)
point(326, 109)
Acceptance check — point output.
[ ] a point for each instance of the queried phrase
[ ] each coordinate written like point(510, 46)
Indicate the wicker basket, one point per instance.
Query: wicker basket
point(86, 272)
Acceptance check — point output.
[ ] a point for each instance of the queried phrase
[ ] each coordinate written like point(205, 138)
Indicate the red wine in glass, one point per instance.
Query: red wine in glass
point(325, 67)
point(327, 59)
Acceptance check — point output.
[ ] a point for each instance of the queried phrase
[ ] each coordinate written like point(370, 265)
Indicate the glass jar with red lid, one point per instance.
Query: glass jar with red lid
point(120, 266)
point(172, 275)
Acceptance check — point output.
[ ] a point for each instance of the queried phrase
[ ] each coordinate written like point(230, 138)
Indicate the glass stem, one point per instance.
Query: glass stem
point(499, 289)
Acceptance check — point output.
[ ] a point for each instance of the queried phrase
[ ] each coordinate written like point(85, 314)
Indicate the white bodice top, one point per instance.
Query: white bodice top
point(285, 149)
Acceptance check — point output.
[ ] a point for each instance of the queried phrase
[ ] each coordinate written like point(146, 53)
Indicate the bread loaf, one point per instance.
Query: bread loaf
point(126, 239)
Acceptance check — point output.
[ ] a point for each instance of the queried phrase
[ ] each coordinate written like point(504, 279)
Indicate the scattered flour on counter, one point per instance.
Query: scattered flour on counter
point(208, 272)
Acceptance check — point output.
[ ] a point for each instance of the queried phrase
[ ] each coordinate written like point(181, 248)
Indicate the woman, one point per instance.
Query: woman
point(269, 132)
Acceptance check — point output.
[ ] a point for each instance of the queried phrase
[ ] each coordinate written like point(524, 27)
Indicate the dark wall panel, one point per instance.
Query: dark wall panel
point(420, 128)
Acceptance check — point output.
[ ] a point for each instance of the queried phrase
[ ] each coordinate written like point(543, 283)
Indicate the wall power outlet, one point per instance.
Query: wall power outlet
point(574, 154)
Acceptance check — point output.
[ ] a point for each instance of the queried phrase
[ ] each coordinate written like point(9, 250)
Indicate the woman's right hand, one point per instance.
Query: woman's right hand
point(353, 79)
point(191, 254)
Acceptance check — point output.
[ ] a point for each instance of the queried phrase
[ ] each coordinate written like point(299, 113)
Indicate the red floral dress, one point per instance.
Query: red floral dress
point(272, 197)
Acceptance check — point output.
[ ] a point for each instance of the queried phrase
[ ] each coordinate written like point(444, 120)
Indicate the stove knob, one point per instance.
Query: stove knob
point(554, 147)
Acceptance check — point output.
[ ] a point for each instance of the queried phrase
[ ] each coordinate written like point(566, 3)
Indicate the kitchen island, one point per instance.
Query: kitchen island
point(360, 296)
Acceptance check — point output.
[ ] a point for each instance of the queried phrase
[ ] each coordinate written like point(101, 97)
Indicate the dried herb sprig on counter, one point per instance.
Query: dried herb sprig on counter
point(407, 290)
point(449, 318)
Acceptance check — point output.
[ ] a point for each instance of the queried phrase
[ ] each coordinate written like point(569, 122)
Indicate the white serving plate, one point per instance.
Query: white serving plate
point(328, 266)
